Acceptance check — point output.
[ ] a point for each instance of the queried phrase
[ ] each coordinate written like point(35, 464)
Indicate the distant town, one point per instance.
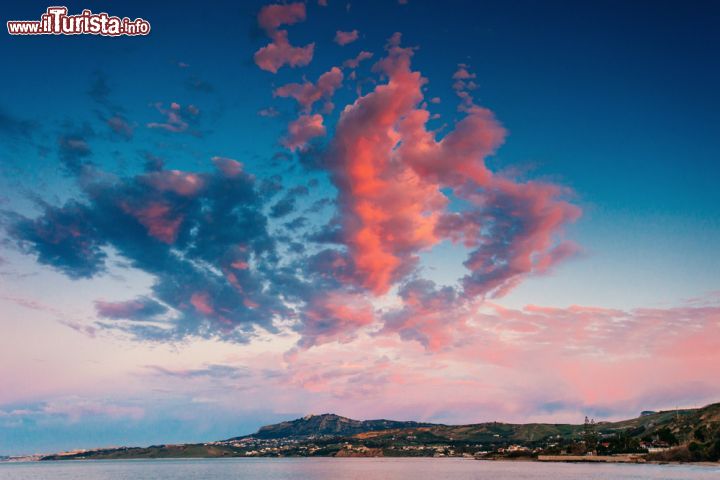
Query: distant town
point(688, 435)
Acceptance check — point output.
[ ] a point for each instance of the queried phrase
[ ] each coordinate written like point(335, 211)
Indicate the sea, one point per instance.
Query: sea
point(344, 468)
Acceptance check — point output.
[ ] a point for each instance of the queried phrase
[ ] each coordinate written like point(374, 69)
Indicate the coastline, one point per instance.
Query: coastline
point(617, 459)
point(587, 460)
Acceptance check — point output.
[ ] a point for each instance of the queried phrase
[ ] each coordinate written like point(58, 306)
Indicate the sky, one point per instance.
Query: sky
point(451, 211)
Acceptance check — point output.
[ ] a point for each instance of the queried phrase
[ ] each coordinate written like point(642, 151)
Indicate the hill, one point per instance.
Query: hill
point(684, 435)
point(327, 424)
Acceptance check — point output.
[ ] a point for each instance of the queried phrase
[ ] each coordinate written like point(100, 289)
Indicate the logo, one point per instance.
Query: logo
point(56, 21)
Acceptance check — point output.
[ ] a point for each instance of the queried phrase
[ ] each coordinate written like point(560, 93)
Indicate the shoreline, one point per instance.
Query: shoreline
point(625, 460)
point(606, 460)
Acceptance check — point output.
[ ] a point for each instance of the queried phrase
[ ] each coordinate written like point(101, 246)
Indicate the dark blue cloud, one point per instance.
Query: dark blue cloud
point(63, 237)
point(201, 236)
point(283, 207)
point(13, 126)
point(74, 151)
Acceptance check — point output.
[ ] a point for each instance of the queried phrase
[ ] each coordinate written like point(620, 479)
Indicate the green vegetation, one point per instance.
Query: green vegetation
point(681, 435)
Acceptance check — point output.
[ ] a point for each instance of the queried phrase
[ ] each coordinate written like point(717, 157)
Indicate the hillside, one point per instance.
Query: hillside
point(327, 424)
point(686, 435)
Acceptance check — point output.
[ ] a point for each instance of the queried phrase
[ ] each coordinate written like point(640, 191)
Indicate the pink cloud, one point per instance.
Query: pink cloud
point(344, 38)
point(458, 157)
point(158, 218)
point(302, 130)
point(177, 117)
point(390, 171)
point(431, 316)
point(182, 183)
point(334, 317)
point(229, 167)
point(201, 302)
point(280, 52)
point(308, 93)
point(354, 62)
point(575, 358)
point(76, 145)
point(120, 126)
point(386, 222)
point(273, 16)
point(139, 308)
point(518, 238)
point(462, 73)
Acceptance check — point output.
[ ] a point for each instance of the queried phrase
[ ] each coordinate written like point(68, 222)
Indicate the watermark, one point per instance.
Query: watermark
point(56, 21)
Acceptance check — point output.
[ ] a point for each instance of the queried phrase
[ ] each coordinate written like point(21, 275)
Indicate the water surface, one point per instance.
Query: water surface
point(344, 468)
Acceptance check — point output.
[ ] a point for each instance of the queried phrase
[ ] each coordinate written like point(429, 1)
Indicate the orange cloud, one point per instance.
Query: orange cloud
point(302, 130)
point(280, 52)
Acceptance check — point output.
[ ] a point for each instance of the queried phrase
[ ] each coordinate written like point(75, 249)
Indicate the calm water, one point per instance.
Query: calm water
point(343, 468)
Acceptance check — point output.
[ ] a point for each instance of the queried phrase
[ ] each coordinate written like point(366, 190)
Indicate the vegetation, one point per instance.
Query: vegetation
point(680, 435)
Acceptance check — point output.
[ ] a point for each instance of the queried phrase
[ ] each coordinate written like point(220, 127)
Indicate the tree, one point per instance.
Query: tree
point(666, 435)
point(590, 435)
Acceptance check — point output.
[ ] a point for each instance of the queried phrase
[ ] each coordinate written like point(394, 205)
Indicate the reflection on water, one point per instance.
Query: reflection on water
point(343, 468)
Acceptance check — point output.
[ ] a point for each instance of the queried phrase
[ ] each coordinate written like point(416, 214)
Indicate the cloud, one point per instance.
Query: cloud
point(388, 212)
point(280, 52)
point(354, 62)
point(390, 172)
point(62, 237)
point(428, 315)
point(344, 38)
point(74, 151)
point(213, 371)
point(334, 316)
point(308, 126)
point(463, 85)
point(76, 409)
point(141, 308)
point(268, 112)
point(515, 237)
point(273, 16)
point(283, 207)
point(229, 167)
point(165, 222)
point(302, 130)
point(462, 73)
point(70, 410)
point(234, 257)
point(227, 262)
point(30, 304)
point(12, 126)
point(177, 118)
point(308, 93)
point(543, 362)
point(119, 125)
